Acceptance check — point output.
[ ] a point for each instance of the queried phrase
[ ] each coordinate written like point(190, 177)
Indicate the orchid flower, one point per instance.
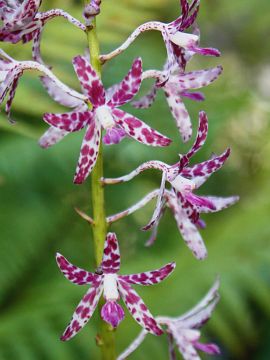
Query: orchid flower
point(107, 281)
point(183, 331)
point(183, 179)
point(22, 21)
point(172, 33)
point(104, 114)
point(11, 71)
point(177, 86)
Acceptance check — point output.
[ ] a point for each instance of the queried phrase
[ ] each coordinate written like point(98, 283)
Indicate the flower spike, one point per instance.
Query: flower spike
point(183, 331)
point(113, 287)
point(185, 205)
point(104, 115)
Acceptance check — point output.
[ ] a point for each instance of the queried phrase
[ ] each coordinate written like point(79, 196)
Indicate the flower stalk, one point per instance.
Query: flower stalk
point(106, 337)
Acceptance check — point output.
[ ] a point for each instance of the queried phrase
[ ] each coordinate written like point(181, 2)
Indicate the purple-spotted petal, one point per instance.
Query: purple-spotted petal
point(90, 82)
point(198, 79)
point(207, 168)
point(60, 95)
point(180, 114)
point(73, 273)
point(200, 138)
point(172, 352)
point(149, 277)
point(111, 255)
point(112, 313)
point(129, 87)
point(138, 309)
point(84, 310)
point(219, 203)
point(72, 121)
point(195, 96)
point(138, 130)
point(147, 100)
point(51, 137)
point(201, 203)
point(88, 153)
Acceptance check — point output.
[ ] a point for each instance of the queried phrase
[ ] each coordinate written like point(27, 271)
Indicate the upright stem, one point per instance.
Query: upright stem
point(105, 338)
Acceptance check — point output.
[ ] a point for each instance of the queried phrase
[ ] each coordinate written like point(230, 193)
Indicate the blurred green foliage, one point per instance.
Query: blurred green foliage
point(37, 195)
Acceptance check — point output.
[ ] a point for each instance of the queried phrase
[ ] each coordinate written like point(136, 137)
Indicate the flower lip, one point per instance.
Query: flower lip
point(112, 313)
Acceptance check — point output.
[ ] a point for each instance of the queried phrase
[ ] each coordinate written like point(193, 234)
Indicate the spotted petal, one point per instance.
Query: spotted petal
point(146, 100)
point(59, 95)
point(84, 310)
point(138, 309)
point(51, 137)
point(130, 85)
point(219, 203)
point(72, 121)
point(180, 114)
point(88, 153)
point(149, 277)
point(138, 130)
point(199, 141)
point(207, 168)
point(111, 255)
point(198, 79)
point(73, 273)
point(90, 82)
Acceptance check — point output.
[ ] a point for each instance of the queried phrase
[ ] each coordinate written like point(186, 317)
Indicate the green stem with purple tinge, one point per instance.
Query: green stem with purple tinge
point(106, 336)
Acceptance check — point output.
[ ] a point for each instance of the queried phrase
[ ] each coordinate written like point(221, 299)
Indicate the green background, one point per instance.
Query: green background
point(37, 197)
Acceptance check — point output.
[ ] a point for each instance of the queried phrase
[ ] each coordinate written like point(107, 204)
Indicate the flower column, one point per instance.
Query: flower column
point(105, 339)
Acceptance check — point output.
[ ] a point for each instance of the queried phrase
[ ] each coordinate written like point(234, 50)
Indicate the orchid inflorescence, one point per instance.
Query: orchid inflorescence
point(98, 111)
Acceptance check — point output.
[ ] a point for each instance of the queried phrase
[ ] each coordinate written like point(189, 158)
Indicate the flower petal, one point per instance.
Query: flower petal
point(73, 273)
point(84, 310)
point(59, 95)
point(138, 309)
point(149, 277)
point(200, 138)
point(172, 353)
point(88, 153)
point(111, 255)
point(51, 137)
point(90, 82)
point(71, 121)
point(219, 203)
point(159, 206)
point(188, 230)
point(155, 164)
point(146, 100)
point(198, 79)
point(138, 130)
point(133, 208)
point(129, 86)
point(180, 114)
point(202, 171)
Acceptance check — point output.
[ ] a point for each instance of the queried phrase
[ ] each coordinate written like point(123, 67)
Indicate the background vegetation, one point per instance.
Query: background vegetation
point(37, 216)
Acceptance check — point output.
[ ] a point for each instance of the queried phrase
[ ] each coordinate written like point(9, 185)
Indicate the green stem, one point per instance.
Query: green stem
point(106, 336)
